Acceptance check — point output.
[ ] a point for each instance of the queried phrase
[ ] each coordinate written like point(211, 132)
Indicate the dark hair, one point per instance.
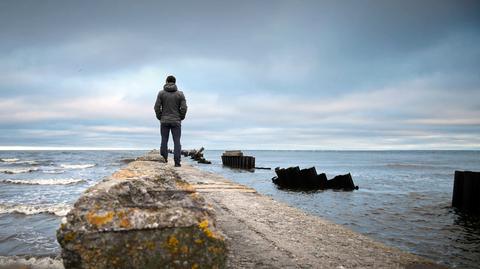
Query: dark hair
point(171, 79)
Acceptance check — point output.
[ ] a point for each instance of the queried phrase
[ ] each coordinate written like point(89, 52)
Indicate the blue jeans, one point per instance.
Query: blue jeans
point(176, 129)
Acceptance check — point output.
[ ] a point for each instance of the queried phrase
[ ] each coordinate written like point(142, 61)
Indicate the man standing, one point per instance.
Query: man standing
point(171, 108)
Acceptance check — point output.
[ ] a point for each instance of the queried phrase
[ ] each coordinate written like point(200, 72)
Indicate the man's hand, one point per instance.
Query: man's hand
point(158, 107)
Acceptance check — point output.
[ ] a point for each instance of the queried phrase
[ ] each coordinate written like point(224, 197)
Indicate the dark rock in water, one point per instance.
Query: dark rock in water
point(307, 179)
point(344, 182)
point(293, 176)
point(143, 216)
point(202, 160)
point(322, 181)
point(196, 155)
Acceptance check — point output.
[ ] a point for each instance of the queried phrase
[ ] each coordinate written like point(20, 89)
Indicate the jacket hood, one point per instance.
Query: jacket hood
point(170, 87)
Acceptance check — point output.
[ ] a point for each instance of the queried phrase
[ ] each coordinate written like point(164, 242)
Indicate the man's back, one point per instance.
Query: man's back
point(171, 105)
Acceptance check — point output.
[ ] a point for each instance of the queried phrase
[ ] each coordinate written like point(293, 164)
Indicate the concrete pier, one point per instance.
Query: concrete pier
point(251, 230)
point(143, 216)
point(264, 233)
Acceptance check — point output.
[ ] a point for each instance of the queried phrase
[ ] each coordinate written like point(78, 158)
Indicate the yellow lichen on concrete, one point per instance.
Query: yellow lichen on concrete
point(184, 249)
point(124, 221)
point(184, 186)
point(150, 245)
point(124, 173)
point(99, 220)
point(172, 243)
point(195, 196)
point(69, 236)
point(204, 227)
point(215, 250)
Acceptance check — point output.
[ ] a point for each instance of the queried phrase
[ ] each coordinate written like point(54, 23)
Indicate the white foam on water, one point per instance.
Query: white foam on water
point(76, 166)
point(28, 162)
point(33, 263)
point(18, 161)
point(56, 209)
point(18, 170)
point(53, 181)
point(9, 160)
point(53, 171)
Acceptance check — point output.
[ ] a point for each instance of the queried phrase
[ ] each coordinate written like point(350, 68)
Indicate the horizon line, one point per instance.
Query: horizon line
point(54, 148)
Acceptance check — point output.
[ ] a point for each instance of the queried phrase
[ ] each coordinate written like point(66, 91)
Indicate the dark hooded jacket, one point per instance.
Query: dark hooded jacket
point(171, 106)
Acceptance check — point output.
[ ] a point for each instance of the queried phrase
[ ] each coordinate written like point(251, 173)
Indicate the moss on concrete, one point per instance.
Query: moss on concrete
point(143, 216)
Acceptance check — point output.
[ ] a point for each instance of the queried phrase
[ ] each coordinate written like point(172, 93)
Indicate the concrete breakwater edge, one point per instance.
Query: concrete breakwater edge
point(128, 219)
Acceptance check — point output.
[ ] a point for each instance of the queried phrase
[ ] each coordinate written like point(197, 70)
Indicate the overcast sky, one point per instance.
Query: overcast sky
point(256, 74)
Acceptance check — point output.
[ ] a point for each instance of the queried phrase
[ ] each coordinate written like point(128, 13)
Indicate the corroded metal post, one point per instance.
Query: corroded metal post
point(235, 159)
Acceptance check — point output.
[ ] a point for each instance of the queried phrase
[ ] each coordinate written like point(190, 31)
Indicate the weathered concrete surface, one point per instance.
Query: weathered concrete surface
point(153, 155)
point(264, 233)
point(143, 216)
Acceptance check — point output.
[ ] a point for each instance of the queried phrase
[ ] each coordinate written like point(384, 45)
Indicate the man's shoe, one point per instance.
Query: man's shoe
point(178, 165)
point(165, 159)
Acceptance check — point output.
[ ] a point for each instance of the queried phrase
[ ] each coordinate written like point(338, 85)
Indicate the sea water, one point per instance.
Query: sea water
point(404, 198)
point(38, 188)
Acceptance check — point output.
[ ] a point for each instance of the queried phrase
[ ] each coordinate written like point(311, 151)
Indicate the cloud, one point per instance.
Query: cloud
point(310, 75)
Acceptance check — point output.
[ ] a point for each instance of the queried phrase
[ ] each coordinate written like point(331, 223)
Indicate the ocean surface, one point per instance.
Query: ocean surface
point(403, 201)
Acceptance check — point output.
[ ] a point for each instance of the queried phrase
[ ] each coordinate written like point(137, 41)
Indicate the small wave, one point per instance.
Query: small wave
point(28, 162)
point(26, 262)
point(9, 160)
point(57, 209)
point(18, 170)
point(76, 166)
point(18, 161)
point(53, 171)
point(410, 165)
point(59, 181)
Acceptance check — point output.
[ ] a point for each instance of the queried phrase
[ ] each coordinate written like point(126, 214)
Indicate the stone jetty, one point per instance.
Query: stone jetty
point(153, 215)
point(143, 216)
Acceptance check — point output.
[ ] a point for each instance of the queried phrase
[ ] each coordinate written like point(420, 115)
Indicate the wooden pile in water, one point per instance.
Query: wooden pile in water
point(308, 179)
point(466, 191)
point(235, 159)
